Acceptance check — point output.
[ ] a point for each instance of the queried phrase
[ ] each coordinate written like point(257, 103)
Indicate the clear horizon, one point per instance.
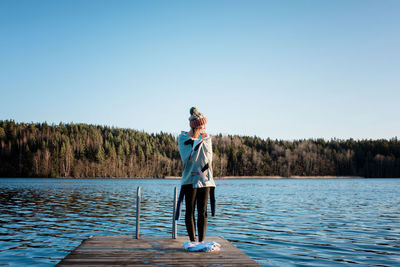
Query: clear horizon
point(273, 69)
point(177, 133)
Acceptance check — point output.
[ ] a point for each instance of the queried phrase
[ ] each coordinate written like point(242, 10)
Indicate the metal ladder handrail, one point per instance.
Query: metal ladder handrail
point(174, 223)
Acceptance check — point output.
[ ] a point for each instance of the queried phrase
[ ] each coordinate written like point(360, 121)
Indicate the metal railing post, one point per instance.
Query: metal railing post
point(138, 213)
point(174, 228)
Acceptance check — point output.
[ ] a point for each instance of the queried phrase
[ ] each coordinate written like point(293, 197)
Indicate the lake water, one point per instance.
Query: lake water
point(277, 222)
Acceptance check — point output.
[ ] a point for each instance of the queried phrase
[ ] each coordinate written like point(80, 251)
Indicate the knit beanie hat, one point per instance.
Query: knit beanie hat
point(197, 119)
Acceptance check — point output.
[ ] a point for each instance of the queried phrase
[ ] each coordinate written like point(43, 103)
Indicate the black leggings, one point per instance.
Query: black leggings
point(193, 196)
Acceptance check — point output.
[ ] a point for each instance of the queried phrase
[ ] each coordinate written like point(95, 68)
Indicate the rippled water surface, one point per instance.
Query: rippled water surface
point(277, 222)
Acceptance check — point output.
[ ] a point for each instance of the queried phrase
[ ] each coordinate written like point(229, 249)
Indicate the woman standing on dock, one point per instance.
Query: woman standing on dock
point(197, 181)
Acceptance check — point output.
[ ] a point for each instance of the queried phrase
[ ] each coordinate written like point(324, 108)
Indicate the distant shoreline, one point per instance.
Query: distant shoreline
point(277, 177)
point(217, 178)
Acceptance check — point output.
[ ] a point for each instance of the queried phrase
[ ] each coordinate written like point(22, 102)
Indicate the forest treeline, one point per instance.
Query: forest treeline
point(82, 150)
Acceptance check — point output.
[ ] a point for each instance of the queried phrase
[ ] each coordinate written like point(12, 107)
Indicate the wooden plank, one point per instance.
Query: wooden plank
point(126, 251)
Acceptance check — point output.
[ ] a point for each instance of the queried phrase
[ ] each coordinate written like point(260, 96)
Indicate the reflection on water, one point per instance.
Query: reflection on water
point(276, 222)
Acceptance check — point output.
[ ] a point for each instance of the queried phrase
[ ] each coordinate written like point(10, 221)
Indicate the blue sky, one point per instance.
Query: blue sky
point(278, 69)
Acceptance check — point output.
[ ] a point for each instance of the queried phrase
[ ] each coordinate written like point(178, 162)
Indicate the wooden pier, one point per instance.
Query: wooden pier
point(127, 251)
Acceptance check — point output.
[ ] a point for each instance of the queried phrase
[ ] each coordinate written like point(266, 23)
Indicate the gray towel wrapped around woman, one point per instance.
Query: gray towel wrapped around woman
point(196, 155)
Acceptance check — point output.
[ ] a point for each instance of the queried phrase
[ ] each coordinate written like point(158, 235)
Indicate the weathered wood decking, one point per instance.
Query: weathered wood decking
point(127, 251)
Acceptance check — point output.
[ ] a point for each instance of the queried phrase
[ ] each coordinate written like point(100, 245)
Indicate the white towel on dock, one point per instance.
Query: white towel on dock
point(202, 246)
